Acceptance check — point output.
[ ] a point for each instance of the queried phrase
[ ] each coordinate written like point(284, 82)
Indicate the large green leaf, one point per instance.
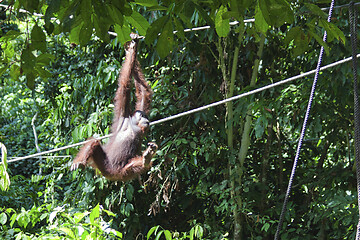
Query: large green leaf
point(222, 25)
point(332, 31)
point(38, 39)
point(116, 15)
point(53, 7)
point(179, 29)
point(86, 10)
point(276, 12)
point(139, 22)
point(101, 28)
point(315, 9)
point(30, 5)
point(30, 80)
point(260, 21)
point(166, 40)
point(85, 33)
point(44, 59)
point(123, 33)
point(301, 40)
point(154, 29)
point(28, 60)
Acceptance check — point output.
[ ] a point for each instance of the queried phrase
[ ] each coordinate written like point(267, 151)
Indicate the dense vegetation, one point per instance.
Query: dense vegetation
point(218, 174)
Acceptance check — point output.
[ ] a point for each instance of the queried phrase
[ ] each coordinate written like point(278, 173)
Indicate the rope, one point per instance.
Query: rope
point(251, 20)
point(340, 6)
point(302, 135)
point(353, 34)
point(198, 109)
point(251, 92)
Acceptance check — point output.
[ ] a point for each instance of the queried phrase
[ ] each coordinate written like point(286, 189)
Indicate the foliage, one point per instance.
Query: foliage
point(4, 176)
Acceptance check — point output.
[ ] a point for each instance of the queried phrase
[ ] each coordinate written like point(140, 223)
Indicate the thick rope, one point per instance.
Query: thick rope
point(197, 109)
point(302, 135)
point(353, 34)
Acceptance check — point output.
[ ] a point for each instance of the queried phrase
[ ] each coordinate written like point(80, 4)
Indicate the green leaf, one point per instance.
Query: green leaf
point(147, 3)
point(4, 176)
point(199, 231)
point(67, 231)
point(101, 21)
point(301, 40)
point(203, 13)
point(23, 219)
point(75, 34)
point(3, 218)
point(260, 21)
point(265, 227)
point(10, 35)
point(79, 216)
point(159, 235)
point(157, 8)
point(86, 10)
point(179, 29)
point(168, 235)
point(31, 5)
point(128, 209)
point(139, 22)
point(276, 12)
point(222, 25)
point(315, 9)
point(235, 6)
point(30, 80)
point(3, 155)
point(332, 31)
point(3, 69)
point(44, 59)
point(95, 213)
point(151, 231)
point(123, 33)
point(53, 7)
point(166, 40)
point(38, 39)
point(320, 41)
point(15, 71)
point(85, 33)
point(28, 60)
point(116, 15)
point(129, 192)
point(192, 233)
point(154, 29)
point(42, 71)
point(124, 7)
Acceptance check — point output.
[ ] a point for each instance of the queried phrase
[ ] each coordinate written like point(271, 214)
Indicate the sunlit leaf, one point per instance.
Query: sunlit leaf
point(67, 231)
point(260, 21)
point(151, 231)
point(123, 33)
point(3, 218)
point(139, 22)
point(95, 213)
point(168, 235)
point(222, 25)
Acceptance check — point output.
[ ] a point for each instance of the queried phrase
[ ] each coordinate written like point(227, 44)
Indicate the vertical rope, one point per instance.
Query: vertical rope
point(353, 27)
point(287, 195)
